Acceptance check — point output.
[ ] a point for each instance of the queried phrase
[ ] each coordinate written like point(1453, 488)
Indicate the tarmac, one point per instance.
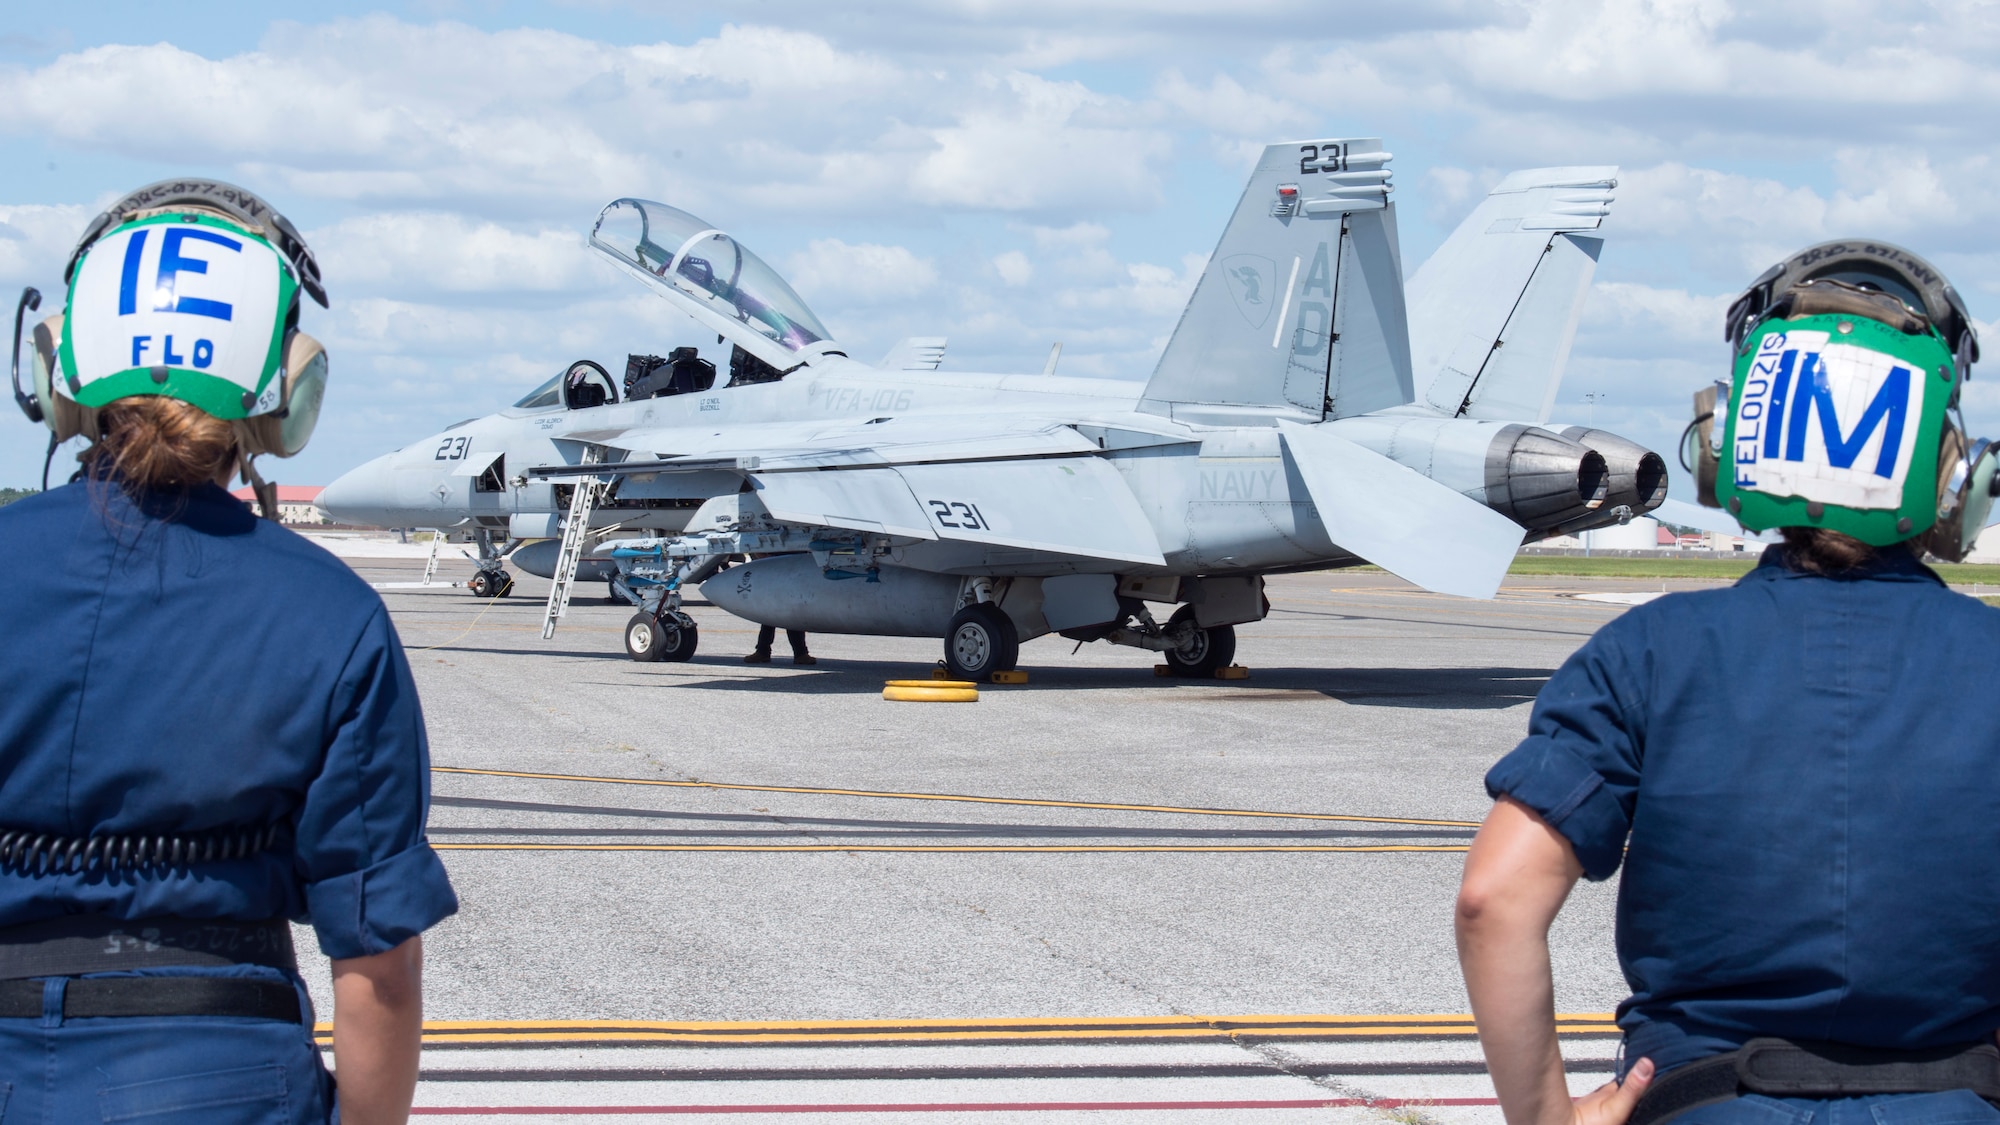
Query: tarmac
point(711, 890)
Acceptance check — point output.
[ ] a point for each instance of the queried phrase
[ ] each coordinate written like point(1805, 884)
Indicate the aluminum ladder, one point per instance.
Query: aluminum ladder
point(576, 533)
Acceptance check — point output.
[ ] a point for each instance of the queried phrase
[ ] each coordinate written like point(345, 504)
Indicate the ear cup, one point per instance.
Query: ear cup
point(1700, 457)
point(44, 362)
point(305, 389)
point(1965, 495)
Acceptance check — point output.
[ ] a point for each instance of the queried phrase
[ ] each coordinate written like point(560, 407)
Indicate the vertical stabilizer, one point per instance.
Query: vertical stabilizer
point(1494, 311)
point(1300, 311)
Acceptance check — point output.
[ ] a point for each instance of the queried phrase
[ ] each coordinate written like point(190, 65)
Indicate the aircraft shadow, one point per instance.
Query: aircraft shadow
point(1452, 689)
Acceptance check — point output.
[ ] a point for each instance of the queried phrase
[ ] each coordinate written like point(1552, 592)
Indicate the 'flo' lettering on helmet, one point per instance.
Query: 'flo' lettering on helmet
point(1798, 379)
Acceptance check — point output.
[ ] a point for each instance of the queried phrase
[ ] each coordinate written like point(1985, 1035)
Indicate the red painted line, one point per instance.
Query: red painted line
point(935, 1107)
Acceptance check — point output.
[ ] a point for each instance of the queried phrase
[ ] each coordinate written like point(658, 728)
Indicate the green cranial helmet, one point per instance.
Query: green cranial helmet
point(1840, 412)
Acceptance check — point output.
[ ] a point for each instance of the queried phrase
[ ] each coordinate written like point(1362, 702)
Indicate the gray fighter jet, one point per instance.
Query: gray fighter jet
point(1310, 411)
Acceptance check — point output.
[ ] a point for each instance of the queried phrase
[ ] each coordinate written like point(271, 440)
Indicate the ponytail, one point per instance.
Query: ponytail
point(155, 444)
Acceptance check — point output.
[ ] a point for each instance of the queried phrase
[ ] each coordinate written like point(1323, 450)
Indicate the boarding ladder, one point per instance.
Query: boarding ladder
point(576, 533)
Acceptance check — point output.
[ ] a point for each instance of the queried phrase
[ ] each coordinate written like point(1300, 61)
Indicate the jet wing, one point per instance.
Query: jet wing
point(1039, 485)
point(1401, 520)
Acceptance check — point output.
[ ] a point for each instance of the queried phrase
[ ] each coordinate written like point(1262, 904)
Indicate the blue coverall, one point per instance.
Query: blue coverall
point(1806, 773)
point(180, 666)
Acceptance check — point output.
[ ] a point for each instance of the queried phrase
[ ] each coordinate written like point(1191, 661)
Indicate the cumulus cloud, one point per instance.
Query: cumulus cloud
point(1009, 175)
point(833, 274)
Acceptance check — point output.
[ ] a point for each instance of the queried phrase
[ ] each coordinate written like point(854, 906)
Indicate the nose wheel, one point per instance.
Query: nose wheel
point(490, 584)
point(670, 637)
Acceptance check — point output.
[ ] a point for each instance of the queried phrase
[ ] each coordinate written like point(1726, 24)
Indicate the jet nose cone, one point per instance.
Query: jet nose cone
point(364, 496)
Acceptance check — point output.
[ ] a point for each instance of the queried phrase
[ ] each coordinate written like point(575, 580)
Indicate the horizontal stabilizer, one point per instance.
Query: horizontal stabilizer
point(1401, 520)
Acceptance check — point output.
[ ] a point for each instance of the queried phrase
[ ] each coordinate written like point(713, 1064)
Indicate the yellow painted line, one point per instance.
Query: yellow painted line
point(940, 1030)
point(947, 847)
point(954, 797)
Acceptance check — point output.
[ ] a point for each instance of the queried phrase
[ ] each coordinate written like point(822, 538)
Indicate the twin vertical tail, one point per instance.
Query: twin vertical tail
point(1299, 314)
point(1495, 309)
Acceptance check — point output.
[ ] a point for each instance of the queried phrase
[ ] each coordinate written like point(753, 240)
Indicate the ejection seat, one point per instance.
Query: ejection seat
point(586, 384)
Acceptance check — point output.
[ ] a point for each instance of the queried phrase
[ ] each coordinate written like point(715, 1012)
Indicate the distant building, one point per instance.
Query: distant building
point(295, 503)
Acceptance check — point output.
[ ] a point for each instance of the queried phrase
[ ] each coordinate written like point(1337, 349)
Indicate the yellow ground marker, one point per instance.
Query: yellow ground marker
point(931, 691)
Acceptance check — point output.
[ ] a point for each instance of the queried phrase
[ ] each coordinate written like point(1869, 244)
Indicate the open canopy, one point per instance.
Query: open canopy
point(691, 261)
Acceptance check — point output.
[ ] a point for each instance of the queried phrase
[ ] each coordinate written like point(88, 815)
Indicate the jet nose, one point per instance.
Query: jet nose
point(365, 496)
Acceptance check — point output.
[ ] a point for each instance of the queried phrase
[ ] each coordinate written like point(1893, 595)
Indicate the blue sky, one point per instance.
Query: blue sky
point(1004, 174)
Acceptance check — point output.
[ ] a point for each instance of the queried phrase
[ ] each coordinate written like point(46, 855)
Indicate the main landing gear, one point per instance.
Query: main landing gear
point(1197, 652)
point(980, 641)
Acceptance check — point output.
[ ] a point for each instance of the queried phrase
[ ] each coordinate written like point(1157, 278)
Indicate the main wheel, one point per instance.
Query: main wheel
point(980, 641)
point(644, 637)
point(678, 638)
point(505, 585)
point(1203, 651)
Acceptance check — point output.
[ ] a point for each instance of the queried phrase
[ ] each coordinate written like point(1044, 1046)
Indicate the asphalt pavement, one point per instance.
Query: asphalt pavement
point(766, 893)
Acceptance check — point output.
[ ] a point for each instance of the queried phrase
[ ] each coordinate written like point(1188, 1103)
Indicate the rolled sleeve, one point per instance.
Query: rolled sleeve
point(1579, 766)
point(371, 878)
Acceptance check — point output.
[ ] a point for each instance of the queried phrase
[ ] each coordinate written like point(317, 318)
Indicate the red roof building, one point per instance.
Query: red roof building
point(295, 503)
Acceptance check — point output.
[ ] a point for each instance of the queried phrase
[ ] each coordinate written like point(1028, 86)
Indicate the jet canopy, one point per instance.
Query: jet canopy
point(710, 274)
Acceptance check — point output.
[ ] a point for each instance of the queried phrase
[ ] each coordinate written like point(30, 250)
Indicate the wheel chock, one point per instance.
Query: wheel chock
point(1162, 670)
point(1232, 672)
point(930, 691)
point(1010, 676)
point(940, 672)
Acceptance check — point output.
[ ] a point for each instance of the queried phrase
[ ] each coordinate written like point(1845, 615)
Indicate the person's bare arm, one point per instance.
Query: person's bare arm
point(1517, 876)
point(378, 1013)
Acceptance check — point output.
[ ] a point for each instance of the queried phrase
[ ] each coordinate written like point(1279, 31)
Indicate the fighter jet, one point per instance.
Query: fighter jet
point(1310, 411)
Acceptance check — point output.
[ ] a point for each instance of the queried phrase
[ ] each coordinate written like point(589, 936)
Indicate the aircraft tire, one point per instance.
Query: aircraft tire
point(644, 637)
point(506, 585)
point(678, 639)
point(1210, 648)
point(479, 585)
point(980, 641)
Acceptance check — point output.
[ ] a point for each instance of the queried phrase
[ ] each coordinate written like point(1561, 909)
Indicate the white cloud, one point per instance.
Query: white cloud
point(1014, 267)
point(1035, 144)
point(833, 273)
point(433, 252)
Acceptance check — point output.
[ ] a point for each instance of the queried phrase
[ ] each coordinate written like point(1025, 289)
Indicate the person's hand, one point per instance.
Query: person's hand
point(1611, 1103)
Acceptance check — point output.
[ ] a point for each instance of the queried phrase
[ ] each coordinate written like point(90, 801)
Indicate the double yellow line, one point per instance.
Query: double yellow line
point(1083, 1030)
point(1035, 803)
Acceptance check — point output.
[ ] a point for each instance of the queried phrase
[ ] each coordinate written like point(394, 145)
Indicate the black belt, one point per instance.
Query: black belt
point(94, 943)
point(156, 996)
point(45, 853)
point(1784, 1068)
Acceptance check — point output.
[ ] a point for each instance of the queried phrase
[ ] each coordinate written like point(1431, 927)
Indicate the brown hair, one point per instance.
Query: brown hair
point(1815, 550)
point(155, 444)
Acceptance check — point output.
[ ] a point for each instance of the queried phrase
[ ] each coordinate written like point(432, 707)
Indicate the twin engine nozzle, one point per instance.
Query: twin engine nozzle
point(1550, 482)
